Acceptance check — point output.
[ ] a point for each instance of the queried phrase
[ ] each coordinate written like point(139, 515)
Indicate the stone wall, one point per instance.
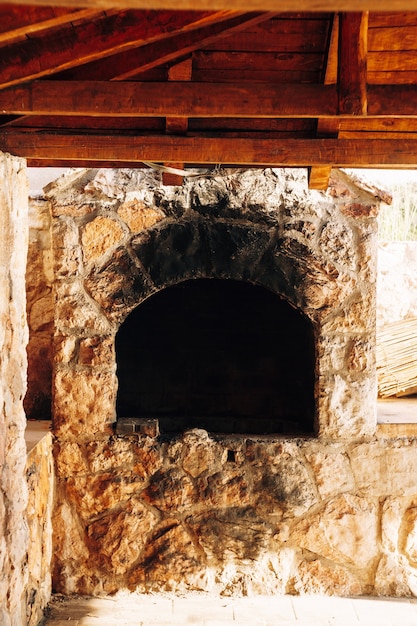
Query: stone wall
point(230, 514)
point(397, 282)
point(236, 515)
point(13, 338)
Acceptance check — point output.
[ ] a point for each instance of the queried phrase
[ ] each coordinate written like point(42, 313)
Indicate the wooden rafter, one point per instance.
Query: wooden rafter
point(352, 66)
point(17, 25)
point(86, 42)
point(134, 62)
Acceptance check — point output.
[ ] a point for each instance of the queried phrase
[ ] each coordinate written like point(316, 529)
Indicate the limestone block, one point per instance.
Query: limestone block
point(65, 234)
point(118, 538)
point(94, 495)
point(74, 310)
point(228, 488)
point(337, 242)
point(100, 236)
point(393, 510)
point(96, 351)
point(231, 534)
point(355, 314)
point(408, 536)
point(66, 249)
point(200, 453)
point(347, 406)
point(140, 455)
point(331, 353)
point(138, 216)
point(170, 562)
point(267, 453)
point(395, 578)
point(117, 286)
point(69, 459)
point(70, 549)
point(385, 468)
point(171, 489)
point(284, 484)
point(332, 471)
point(317, 577)
point(84, 402)
point(345, 531)
point(65, 349)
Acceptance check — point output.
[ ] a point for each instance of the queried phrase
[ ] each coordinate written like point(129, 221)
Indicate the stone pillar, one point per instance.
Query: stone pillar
point(13, 340)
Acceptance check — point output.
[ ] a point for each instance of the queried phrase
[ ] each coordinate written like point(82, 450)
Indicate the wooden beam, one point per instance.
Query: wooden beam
point(177, 125)
point(86, 42)
point(318, 177)
point(193, 99)
point(352, 69)
point(238, 5)
point(134, 62)
point(169, 99)
point(201, 150)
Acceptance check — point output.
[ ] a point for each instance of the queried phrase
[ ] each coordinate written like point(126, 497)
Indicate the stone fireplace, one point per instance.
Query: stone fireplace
point(214, 377)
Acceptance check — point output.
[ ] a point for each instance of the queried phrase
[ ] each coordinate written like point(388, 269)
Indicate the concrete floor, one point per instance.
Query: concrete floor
point(207, 610)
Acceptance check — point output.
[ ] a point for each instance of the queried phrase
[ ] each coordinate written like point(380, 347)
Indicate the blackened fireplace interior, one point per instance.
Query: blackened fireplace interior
point(222, 355)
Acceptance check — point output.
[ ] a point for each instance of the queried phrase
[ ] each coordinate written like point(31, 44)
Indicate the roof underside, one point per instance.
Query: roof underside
point(117, 87)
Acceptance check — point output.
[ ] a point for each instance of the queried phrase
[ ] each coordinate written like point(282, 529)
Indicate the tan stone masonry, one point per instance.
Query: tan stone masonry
point(229, 514)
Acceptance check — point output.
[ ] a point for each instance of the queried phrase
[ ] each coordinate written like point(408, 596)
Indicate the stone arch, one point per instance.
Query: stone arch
point(199, 248)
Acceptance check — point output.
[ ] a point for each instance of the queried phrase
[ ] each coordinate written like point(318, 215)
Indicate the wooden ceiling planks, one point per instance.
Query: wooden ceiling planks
point(307, 88)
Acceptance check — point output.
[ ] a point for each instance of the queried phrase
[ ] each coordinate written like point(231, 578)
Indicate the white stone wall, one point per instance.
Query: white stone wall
point(397, 282)
point(13, 339)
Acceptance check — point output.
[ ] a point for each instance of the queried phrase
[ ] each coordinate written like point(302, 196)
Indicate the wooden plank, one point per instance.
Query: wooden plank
point(261, 125)
point(352, 68)
point(75, 45)
point(379, 124)
point(392, 20)
point(400, 61)
point(392, 78)
point(365, 134)
point(140, 60)
point(239, 5)
point(271, 42)
point(175, 99)
point(388, 39)
point(257, 75)
point(231, 60)
point(383, 100)
point(286, 153)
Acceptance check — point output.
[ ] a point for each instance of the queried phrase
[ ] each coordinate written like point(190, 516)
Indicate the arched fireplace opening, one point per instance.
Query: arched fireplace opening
point(223, 355)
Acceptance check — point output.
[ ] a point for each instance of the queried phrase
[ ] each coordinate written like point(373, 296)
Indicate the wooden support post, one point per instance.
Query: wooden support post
point(177, 125)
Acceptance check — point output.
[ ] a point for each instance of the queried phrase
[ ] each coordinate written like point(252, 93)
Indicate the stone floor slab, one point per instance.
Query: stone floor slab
point(207, 610)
